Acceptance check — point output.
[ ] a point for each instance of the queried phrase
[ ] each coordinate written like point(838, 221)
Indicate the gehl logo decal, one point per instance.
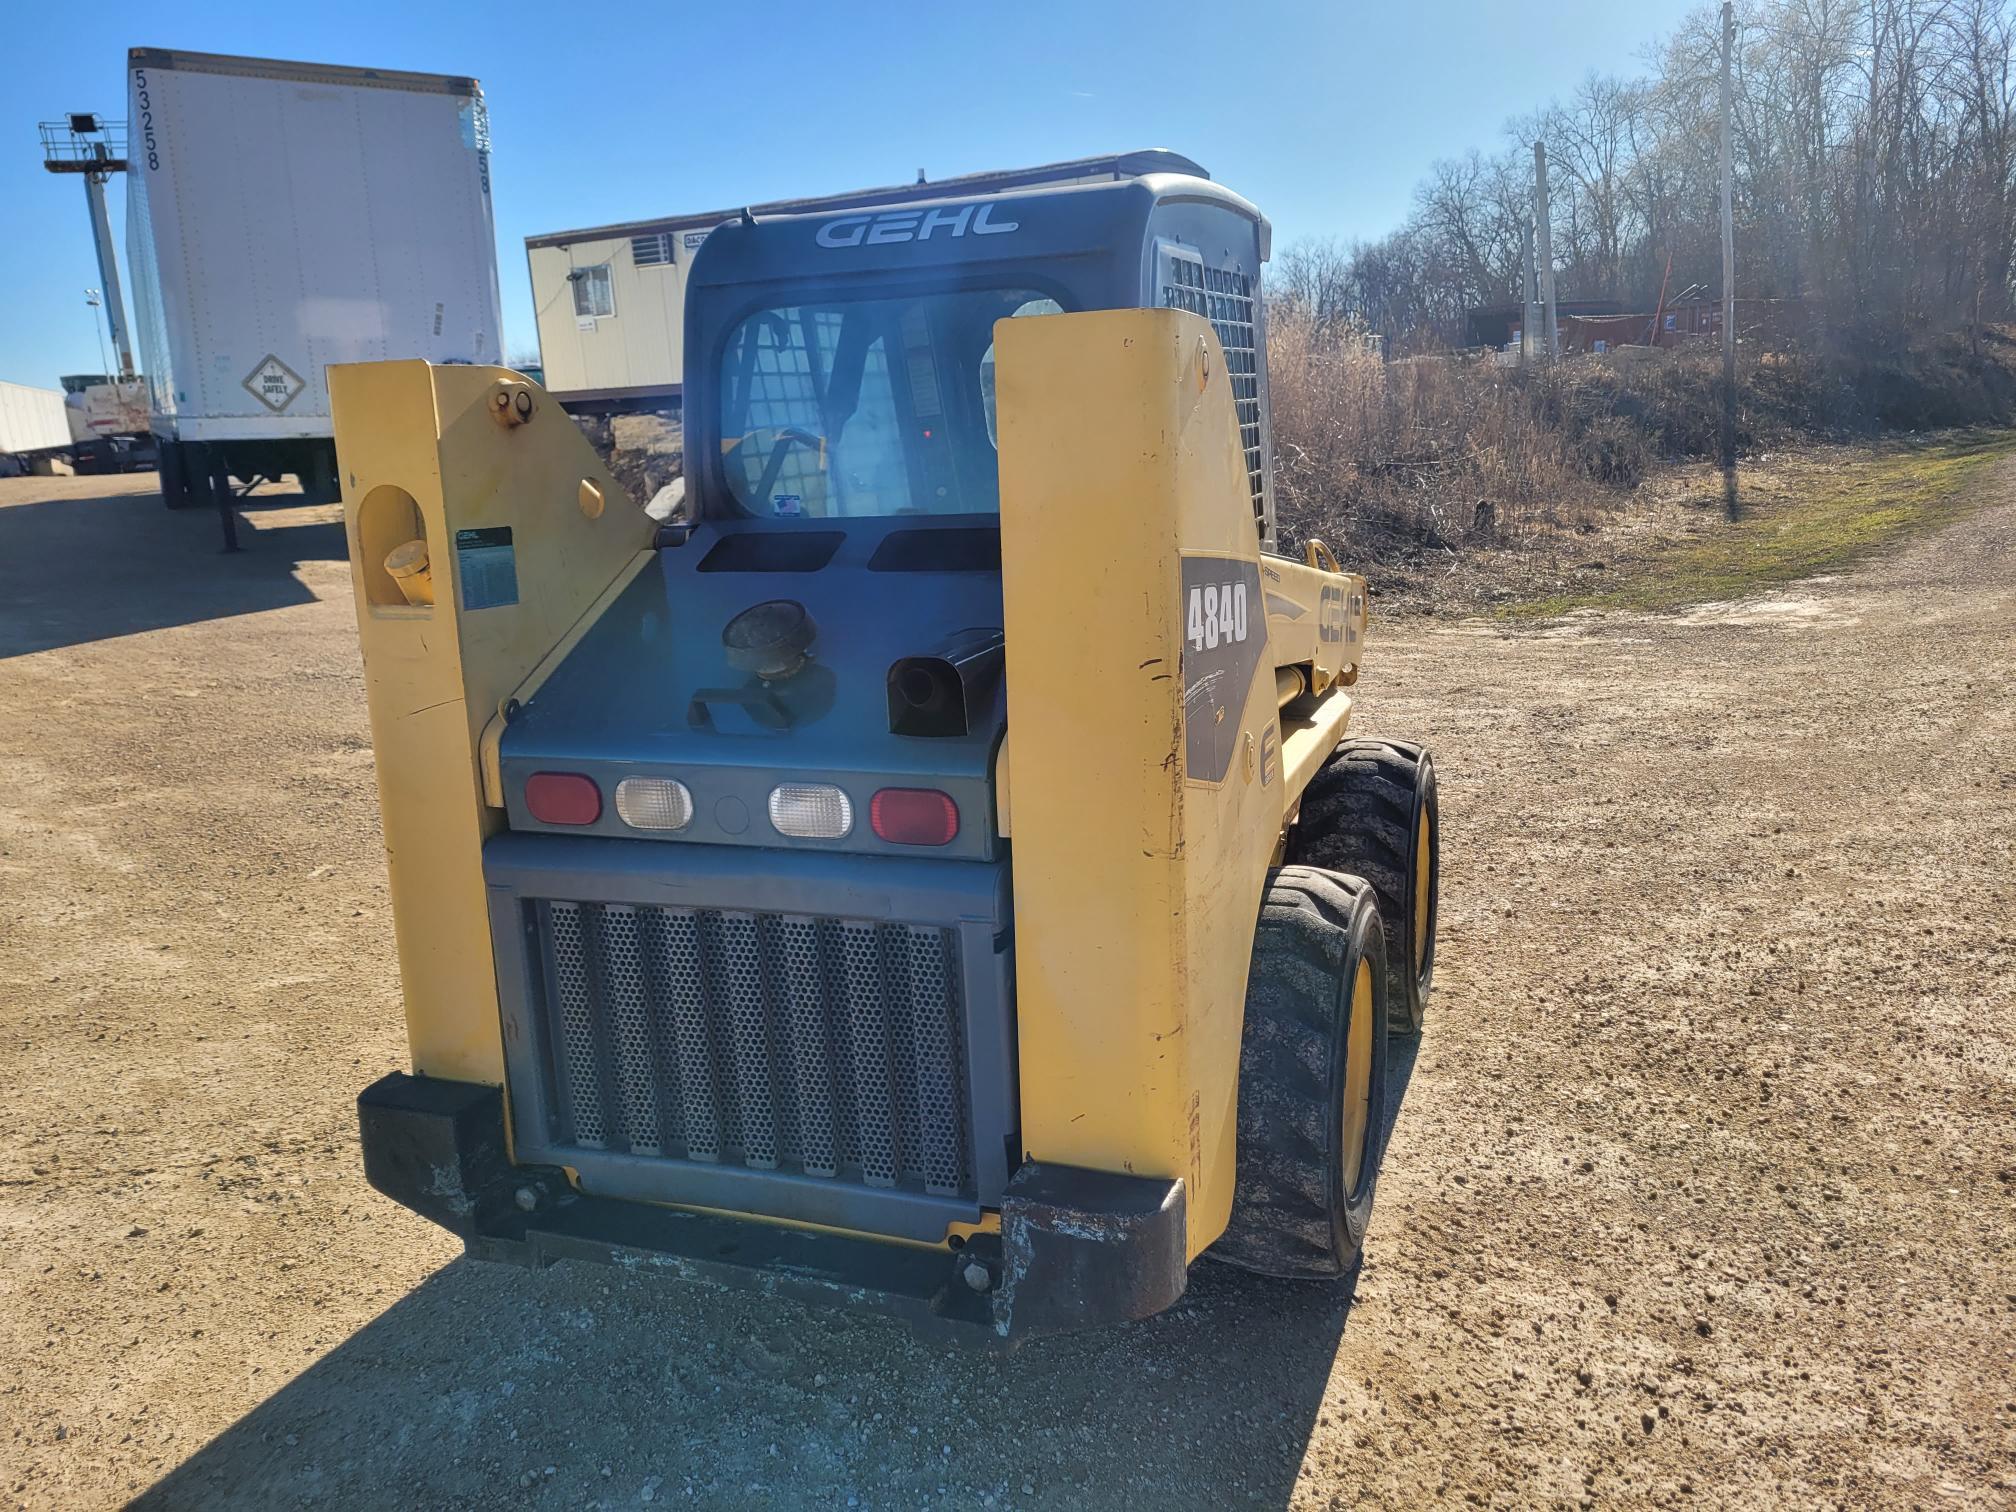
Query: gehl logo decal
point(1336, 616)
point(912, 225)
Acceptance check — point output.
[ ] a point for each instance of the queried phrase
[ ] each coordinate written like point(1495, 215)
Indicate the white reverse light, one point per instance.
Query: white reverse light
point(654, 803)
point(811, 810)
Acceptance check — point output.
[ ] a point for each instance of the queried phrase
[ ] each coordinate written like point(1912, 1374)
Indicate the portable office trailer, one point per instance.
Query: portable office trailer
point(611, 300)
point(285, 216)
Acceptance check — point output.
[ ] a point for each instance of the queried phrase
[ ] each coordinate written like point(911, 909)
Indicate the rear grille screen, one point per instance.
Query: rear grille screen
point(1225, 297)
point(822, 1046)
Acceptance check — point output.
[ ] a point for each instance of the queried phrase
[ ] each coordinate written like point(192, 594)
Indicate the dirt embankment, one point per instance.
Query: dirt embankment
point(1700, 1190)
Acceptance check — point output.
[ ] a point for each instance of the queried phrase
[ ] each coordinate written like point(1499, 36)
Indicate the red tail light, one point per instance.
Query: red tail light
point(913, 816)
point(562, 798)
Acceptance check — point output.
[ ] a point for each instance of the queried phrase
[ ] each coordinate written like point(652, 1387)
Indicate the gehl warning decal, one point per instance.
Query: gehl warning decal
point(1224, 637)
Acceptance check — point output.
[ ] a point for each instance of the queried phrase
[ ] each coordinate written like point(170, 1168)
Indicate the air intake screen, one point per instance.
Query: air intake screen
point(1224, 297)
point(775, 1042)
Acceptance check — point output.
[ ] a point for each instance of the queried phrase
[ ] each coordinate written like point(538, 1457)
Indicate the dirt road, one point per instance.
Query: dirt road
point(1702, 1190)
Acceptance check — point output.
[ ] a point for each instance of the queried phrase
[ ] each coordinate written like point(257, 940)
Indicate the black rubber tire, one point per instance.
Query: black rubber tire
point(1362, 815)
point(172, 464)
point(319, 481)
point(1291, 1216)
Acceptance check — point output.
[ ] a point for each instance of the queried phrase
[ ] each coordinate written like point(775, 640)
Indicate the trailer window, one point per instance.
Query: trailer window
point(864, 407)
point(594, 294)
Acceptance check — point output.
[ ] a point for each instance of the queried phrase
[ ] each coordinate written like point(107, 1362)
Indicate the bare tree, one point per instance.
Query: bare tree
point(1875, 145)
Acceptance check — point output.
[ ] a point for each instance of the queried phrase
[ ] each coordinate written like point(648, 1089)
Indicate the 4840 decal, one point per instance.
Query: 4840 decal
point(1217, 615)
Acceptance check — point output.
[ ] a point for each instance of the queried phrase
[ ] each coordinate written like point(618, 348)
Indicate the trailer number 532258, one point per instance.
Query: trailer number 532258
point(146, 103)
point(1217, 615)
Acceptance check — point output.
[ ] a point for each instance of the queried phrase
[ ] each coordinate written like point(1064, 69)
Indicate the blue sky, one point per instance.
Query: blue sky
point(1325, 114)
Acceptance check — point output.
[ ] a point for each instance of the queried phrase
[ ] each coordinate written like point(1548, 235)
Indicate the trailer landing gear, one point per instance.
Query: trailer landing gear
point(205, 474)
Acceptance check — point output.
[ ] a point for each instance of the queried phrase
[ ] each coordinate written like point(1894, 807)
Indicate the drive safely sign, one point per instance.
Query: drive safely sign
point(274, 384)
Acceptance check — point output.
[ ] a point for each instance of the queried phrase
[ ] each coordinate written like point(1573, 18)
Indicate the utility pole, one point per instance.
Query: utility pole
point(1546, 247)
point(1728, 249)
point(1529, 313)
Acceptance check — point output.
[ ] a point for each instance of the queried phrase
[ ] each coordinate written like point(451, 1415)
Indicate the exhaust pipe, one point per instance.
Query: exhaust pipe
point(946, 692)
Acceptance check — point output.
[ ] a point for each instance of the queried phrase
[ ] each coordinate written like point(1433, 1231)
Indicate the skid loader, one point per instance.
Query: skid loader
point(930, 871)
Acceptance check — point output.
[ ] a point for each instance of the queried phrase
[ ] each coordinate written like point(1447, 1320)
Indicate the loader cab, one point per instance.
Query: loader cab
point(841, 365)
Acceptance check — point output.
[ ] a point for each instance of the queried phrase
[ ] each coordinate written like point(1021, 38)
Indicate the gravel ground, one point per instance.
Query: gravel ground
point(1700, 1190)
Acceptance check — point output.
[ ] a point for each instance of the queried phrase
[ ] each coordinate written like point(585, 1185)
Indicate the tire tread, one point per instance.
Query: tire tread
point(1281, 1223)
point(1358, 817)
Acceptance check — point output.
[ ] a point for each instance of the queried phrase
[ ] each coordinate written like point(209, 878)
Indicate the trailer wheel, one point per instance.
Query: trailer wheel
point(1312, 1079)
point(319, 481)
point(172, 466)
point(1372, 812)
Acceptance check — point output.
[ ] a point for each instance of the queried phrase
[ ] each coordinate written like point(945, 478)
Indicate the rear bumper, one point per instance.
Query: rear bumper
point(1077, 1248)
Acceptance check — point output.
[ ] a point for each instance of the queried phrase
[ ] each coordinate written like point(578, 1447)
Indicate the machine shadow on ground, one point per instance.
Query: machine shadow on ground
point(581, 1385)
point(88, 566)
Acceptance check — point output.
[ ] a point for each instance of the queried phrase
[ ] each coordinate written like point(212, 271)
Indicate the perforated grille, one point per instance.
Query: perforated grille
point(827, 1047)
point(575, 1029)
point(1225, 298)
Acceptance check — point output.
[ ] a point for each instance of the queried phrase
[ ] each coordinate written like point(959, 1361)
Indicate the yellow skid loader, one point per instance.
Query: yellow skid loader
point(930, 870)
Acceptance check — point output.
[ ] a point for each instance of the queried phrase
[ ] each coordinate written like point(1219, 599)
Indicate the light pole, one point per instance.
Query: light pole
point(84, 144)
point(96, 301)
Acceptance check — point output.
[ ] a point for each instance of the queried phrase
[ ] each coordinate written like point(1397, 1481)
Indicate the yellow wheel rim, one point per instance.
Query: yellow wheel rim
point(1357, 1079)
point(1424, 852)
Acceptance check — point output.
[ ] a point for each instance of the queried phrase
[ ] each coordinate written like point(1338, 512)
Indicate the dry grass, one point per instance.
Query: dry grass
point(1457, 483)
point(1404, 462)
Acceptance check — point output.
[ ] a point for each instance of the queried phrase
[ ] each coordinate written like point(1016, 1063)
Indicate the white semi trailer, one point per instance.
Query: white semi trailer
point(34, 427)
point(285, 216)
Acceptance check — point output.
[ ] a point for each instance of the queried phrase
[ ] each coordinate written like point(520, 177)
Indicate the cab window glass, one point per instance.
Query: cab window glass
point(865, 407)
